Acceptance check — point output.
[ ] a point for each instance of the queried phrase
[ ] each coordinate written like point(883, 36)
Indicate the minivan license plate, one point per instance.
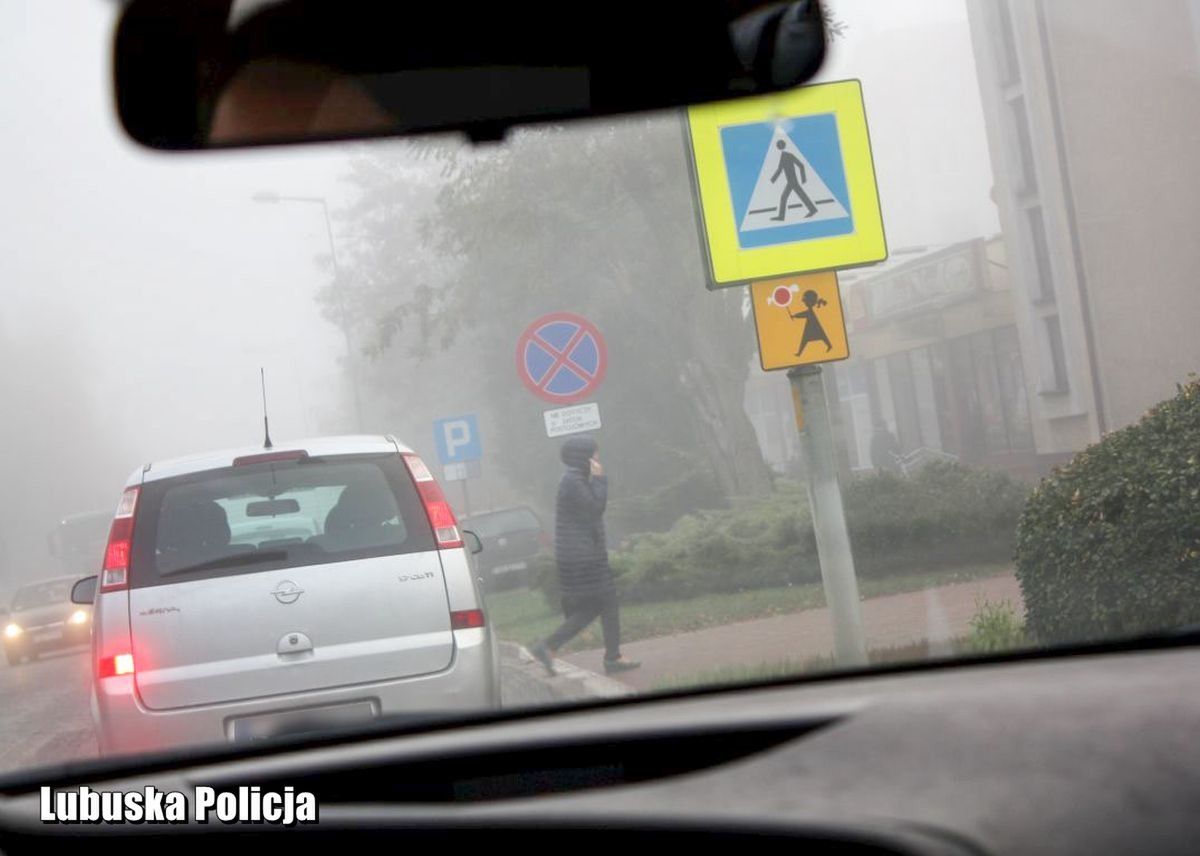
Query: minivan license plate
point(304, 721)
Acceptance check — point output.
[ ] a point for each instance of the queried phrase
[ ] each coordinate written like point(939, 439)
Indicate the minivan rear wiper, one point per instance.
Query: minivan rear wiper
point(231, 561)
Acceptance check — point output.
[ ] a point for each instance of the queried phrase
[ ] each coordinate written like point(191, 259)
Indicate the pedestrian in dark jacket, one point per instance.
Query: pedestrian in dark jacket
point(585, 578)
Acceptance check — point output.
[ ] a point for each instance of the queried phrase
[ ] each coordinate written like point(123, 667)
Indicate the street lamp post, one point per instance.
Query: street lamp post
point(272, 198)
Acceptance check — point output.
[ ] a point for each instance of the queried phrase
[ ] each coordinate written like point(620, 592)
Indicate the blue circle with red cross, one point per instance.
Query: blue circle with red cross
point(561, 357)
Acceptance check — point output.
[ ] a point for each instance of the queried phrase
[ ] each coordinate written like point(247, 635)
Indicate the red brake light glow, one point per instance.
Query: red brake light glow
point(467, 618)
point(437, 509)
point(111, 667)
point(115, 573)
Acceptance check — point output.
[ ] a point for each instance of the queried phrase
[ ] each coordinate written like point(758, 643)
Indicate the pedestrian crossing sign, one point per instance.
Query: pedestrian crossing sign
point(786, 184)
point(799, 321)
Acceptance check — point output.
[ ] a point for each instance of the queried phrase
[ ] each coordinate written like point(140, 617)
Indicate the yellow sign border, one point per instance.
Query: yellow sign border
point(729, 264)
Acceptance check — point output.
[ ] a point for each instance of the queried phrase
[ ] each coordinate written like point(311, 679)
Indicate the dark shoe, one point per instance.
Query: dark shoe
point(619, 665)
point(542, 654)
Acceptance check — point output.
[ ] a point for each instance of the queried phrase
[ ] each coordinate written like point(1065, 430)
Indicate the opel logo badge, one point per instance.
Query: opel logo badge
point(287, 592)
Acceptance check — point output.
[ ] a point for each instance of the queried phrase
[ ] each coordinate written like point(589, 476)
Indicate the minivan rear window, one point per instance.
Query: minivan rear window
point(274, 515)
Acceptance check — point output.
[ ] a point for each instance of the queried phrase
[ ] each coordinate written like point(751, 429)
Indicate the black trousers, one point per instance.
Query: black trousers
point(582, 610)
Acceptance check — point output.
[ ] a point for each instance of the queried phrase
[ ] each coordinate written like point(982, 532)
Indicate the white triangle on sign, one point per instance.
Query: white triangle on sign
point(794, 176)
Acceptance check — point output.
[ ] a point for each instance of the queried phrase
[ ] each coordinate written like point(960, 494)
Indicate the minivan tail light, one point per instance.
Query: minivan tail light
point(467, 619)
point(112, 667)
point(115, 573)
point(437, 509)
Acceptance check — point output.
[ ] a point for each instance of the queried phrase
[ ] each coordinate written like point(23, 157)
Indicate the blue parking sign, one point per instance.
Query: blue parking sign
point(457, 439)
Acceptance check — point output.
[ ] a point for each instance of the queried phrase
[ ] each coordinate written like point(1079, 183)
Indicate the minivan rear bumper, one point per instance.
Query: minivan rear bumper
point(471, 683)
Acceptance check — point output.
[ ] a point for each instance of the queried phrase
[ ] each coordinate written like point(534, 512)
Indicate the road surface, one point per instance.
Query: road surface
point(44, 715)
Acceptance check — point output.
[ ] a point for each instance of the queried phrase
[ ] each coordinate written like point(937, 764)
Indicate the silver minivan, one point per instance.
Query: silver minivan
point(261, 592)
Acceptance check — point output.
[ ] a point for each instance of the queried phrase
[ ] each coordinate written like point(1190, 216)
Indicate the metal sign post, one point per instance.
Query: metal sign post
point(786, 196)
point(829, 516)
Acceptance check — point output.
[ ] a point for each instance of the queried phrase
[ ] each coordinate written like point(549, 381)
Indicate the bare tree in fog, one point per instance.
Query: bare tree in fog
point(596, 220)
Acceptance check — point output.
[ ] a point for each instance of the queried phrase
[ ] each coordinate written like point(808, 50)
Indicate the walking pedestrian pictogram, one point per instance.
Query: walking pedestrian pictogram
point(790, 164)
point(788, 191)
point(799, 321)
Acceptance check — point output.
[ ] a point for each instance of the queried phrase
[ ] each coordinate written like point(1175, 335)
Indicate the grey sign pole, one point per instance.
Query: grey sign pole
point(829, 516)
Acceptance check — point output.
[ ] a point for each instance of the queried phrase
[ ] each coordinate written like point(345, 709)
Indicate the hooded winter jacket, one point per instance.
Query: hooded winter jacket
point(579, 540)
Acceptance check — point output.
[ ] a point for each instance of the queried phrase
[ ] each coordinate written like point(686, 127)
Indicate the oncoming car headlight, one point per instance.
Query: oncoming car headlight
point(12, 631)
point(79, 616)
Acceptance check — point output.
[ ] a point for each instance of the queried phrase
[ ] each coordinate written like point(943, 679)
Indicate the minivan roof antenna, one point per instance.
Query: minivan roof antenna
point(266, 427)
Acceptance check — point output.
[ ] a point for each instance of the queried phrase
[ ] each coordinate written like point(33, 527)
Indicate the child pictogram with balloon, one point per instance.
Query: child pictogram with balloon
point(814, 331)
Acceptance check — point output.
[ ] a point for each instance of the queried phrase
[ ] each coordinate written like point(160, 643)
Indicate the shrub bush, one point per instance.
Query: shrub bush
point(995, 627)
point(945, 514)
point(1109, 545)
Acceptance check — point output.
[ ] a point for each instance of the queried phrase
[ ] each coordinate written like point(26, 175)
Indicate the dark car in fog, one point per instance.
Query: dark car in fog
point(42, 618)
point(511, 538)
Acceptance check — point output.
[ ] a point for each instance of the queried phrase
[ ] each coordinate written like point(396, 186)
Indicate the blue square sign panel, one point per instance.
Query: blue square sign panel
point(457, 439)
point(787, 180)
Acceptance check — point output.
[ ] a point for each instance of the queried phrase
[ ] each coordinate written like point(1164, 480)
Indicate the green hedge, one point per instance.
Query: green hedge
point(947, 514)
point(944, 517)
point(1109, 545)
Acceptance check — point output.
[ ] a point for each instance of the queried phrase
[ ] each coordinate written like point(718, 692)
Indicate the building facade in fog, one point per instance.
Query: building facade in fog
point(1018, 351)
point(1091, 107)
point(935, 356)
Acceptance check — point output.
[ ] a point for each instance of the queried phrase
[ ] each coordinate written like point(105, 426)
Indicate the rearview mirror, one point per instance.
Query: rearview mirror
point(272, 507)
point(472, 541)
point(84, 591)
point(219, 73)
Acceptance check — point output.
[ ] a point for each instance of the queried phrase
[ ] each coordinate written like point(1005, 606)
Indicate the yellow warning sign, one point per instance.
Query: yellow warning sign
point(786, 183)
point(799, 320)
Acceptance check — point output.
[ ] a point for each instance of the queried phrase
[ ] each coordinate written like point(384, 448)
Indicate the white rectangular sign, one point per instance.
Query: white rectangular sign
point(461, 472)
point(572, 420)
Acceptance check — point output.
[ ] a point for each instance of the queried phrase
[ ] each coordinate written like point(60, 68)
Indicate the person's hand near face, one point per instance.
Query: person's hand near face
point(597, 469)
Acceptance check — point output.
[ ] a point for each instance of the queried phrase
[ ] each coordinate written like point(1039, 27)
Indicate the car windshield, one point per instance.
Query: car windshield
point(896, 367)
point(42, 594)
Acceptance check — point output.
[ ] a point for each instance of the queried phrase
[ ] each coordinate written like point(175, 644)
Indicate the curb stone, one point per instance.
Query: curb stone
point(571, 682)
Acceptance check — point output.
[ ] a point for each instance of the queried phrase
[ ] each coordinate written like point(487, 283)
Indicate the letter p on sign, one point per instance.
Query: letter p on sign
point(457, 439)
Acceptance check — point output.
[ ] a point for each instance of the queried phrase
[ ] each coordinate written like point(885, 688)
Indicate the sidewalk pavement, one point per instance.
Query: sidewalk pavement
point(937, 615)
